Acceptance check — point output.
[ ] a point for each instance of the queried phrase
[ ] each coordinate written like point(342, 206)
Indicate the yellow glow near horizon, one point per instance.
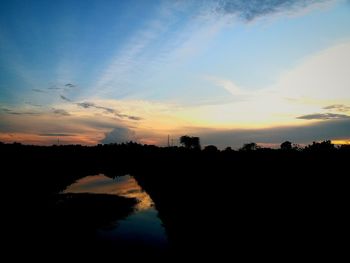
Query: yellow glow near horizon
point(341, 142)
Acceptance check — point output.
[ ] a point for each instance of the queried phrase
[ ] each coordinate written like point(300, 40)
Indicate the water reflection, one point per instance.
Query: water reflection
point(123, 186)
point(142, 228)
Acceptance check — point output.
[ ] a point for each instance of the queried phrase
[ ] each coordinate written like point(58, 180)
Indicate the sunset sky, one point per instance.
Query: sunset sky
point(229, 71)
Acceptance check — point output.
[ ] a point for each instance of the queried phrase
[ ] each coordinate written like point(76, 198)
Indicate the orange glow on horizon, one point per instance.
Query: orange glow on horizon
point(341, 142)
point(35, 139)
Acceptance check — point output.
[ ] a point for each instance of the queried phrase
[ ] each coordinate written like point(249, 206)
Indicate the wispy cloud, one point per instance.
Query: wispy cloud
point(23, 113)
point(12, 54)
point(138, 54)
point(38, 90)
point(61, 112)
point(15, 112)
point(6, 110)
point(66, 87)
point(33, 104)
point(54, 88)
point(65, 98)
point(249, 10)
point(87, 105)
point(56, 134)
point(70, 85)
point(338, 107)
point(127, 59)
point(230, 87)
point(135, 118)
point(323, 116)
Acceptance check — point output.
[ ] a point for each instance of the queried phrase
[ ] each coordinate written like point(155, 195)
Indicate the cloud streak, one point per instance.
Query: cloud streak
point(138, 56)
point(323, 116)
point(87, 105)
point(54, 88)
point(56, 134)
point(38, 90)
point(338, 107)
point(60, 112)
point(12, 112)
point(65, 98)
point(70, 85)
point(249, 10)
point(33, 104)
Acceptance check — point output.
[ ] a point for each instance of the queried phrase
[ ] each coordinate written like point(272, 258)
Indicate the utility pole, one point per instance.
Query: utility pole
point(168, 140)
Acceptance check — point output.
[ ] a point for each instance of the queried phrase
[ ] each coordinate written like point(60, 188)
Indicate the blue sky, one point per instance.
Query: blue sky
point(91, 70)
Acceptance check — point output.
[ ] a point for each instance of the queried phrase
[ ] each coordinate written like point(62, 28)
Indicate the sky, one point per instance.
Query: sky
point(228, 71)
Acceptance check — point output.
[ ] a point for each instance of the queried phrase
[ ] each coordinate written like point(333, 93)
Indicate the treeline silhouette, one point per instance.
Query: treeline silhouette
point(252, 202)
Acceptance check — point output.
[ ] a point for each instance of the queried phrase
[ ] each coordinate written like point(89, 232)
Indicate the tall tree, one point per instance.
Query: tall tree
point(190, 142)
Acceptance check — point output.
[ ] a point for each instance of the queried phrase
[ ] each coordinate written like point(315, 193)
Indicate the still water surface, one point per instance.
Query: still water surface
point(143, 227)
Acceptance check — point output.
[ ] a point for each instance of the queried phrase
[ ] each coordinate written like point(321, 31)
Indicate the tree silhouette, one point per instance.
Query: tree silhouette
point(286, 146)
point(250, 147)
point(321, 146)
point(228, 149)
point(190, 142)
point(210, 148)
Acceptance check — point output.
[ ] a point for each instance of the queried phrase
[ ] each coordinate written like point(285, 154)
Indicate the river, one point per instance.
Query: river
point(142, 228)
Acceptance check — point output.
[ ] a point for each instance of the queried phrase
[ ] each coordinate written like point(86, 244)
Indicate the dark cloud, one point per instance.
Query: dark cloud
point(23, 113)
point(331, 129)
point(93, 105)
point(9, 111)
point(70, 85)
point(323, 116)
point(60, 112)
point(38, 90)
point(338, 107)
point(134, 118)
point(65, 98)
point(119, 135)
point(56, 134)
point(248, 10)
point(86, 105)
point(54, 88)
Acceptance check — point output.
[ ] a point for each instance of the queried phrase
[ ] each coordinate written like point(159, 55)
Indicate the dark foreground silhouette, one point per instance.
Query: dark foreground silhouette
point(254, 203)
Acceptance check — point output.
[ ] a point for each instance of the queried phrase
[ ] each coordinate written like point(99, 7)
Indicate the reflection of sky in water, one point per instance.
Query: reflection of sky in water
point(143, 227)
point(122, 186)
